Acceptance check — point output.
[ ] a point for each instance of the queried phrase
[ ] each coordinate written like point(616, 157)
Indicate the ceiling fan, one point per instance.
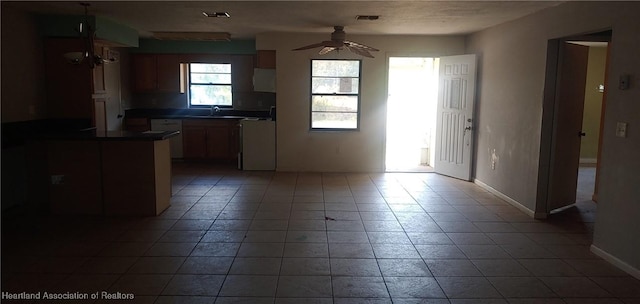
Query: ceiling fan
point(338, 42)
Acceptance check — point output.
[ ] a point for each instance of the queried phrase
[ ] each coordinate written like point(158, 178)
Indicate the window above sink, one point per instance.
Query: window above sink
point(210, 85)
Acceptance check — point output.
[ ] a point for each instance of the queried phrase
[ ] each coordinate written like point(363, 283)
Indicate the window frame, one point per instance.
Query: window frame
point(358, 95)
point(190, 83)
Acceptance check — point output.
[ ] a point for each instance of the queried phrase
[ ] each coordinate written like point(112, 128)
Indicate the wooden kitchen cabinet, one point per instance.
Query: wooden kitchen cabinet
point(168, 73)
point(210, 139)
point(156, 73)
point(137, 124)
point(242, 72)
point(266, 59)
point(194, 141)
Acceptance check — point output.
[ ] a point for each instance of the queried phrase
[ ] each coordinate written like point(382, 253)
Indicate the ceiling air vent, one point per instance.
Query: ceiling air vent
point(216, 14)
point(367, 17)
point(196, 36)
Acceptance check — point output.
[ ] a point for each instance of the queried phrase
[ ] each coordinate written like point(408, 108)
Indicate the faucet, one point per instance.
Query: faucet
point(214, 109)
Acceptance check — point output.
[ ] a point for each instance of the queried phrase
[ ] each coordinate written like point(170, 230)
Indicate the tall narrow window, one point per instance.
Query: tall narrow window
point(335, 94)
point(210, 84)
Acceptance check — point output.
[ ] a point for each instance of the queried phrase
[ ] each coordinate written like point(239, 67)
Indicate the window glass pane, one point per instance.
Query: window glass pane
point(211, 78)
point(334, 120)
point(346, 85)
point(350, 68)
point(210, 95)
point(334, 103)
point(335, 94)
point(211, 68)
point(210, 84)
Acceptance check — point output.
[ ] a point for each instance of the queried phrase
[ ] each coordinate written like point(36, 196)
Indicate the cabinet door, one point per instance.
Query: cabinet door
point(194, 140)
point(242, 74)
point(218, 142)
point(266, 59)
point(168, 70)
point(136, 124)
point(144, 72)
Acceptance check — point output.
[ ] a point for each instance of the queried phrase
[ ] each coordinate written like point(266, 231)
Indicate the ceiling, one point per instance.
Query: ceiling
point(248, 18)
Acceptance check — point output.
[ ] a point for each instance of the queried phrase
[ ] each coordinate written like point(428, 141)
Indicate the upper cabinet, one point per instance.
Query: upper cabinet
point(168, 70)
point(264, 75)
point(156, 73)
point(266, 59)
point(241, 72)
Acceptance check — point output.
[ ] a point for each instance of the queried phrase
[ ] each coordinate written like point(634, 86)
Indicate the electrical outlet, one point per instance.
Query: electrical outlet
point(57, 179)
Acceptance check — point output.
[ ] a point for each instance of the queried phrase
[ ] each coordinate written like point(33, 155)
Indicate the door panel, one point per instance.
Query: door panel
point(454, 137)
point(568, 125)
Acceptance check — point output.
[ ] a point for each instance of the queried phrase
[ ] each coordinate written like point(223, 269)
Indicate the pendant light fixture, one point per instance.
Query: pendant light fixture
point(87, 34)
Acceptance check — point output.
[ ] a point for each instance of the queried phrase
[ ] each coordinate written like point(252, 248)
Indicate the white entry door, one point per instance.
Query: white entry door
point(454, 123)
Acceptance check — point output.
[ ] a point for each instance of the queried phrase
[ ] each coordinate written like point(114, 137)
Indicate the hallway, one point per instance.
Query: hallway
point(270, 237)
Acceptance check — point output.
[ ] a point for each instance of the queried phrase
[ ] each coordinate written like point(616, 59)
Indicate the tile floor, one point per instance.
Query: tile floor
point(263, 237)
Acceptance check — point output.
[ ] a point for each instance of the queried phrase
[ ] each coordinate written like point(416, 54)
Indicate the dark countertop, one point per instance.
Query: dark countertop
point(196, 117)
point(93, 135)
point(16, 134)
point(194, 113)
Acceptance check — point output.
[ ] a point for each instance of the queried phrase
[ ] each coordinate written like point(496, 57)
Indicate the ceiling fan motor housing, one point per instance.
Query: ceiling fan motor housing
point(338, 42)
point(338, 33)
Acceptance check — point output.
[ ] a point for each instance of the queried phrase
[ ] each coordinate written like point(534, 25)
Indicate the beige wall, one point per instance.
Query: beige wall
point(299, 149)
point(23, 91)
point(509, 112)
point(592, 104)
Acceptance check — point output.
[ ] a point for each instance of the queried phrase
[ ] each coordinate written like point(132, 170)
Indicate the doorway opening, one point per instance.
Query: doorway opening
point(591, 119)
point(411, 114)
point(575, 100)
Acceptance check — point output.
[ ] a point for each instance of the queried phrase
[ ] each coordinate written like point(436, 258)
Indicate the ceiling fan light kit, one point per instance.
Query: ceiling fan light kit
point(338, 42)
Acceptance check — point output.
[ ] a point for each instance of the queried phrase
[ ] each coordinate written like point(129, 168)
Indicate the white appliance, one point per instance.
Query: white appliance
point(170, 125)
point(258, 144)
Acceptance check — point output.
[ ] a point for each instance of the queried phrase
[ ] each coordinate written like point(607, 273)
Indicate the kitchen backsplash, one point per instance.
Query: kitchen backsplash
point(254, 101)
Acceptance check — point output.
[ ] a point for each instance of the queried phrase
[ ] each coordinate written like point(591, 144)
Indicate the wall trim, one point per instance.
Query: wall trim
point(635, 272)
point(509, 200)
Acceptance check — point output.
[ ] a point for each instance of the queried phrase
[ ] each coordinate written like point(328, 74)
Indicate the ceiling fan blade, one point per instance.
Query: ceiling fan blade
point(327, 49)
point(360, 46)
point(326, 43)
point(311, 46)
point(359, 51)
point(338, 42)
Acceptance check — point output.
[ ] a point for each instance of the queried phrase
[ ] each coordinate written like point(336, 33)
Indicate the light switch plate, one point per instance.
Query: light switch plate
point(621, 129)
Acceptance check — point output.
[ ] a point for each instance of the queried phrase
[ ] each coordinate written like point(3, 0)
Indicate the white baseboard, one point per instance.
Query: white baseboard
point(635, 272)
point(588, 160)
point(508, 199)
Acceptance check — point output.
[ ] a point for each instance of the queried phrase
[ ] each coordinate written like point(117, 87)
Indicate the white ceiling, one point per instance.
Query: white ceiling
point(248, 18)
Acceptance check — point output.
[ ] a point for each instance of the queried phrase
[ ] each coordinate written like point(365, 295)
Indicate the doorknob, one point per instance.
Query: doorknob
point(581, 134)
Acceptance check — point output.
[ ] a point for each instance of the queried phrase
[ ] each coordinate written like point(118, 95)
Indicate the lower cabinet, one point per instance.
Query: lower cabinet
point(210, 139)
point(137, 124)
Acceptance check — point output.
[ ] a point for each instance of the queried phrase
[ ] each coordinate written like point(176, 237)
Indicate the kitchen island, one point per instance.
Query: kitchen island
point(104, 173)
